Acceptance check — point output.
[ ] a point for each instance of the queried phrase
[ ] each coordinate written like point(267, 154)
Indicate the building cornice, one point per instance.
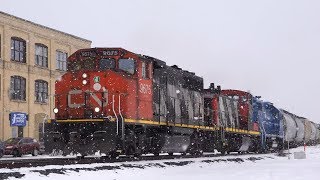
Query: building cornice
point(45, 27)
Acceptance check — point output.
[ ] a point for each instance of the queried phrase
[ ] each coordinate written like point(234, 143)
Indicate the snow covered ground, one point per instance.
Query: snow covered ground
point(233, 167)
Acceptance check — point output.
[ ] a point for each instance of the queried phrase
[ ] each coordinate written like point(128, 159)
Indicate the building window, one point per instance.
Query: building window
point(41, 91)
point(18, 50)
point(0, 86)
point(0, 46)
point(41, 55)
point(18, 88)
point(61, 58)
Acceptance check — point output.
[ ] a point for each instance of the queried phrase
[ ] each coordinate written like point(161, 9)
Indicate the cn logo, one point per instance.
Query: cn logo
point(145, 88)
point(72, 94)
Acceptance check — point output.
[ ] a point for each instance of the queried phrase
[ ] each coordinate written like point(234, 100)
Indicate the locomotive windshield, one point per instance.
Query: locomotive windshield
point(74, 65)
point(127, 65)
point(89, 64)
point(107, 64)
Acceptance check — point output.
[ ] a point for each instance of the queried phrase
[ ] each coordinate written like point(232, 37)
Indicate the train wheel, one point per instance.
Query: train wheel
point(130, 151)
point(196, 153)
point(223, 152)
point(64, 153)
point(113, 155)
point(81, 157)
point(137, 155)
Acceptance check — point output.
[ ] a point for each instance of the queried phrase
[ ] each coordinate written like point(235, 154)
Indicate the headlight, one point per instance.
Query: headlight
point(55, 110)
point(84, 82)
point(96, 109)
point(84, 75)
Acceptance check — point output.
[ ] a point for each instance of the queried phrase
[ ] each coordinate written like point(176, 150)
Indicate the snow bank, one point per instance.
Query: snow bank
point(244, 167)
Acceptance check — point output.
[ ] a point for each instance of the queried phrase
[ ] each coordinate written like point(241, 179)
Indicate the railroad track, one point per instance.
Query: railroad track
point(18, 163)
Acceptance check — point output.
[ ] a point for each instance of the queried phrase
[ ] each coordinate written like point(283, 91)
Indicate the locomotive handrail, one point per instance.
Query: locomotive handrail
point(263, 133)
point(115, 114)
point(97, 132)
point(122, 119)
point(102, 109)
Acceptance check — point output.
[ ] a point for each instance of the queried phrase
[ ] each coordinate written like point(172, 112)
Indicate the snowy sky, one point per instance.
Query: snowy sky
point(269, 47)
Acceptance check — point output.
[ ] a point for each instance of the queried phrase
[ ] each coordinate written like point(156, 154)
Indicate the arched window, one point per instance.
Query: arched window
point(41, 91)
point(41, 55)
point(18, 50)
point(18, 88)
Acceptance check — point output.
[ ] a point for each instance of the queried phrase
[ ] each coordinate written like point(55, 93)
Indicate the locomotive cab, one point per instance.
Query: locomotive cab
point(104, 82)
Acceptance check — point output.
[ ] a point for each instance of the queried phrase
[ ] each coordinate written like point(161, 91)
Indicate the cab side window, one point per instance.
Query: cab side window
point(127, 65)
point(145, 70)
point(244, 99)
point(107, 64)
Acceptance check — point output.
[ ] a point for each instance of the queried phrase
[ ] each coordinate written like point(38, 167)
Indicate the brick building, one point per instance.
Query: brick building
point(32, 57)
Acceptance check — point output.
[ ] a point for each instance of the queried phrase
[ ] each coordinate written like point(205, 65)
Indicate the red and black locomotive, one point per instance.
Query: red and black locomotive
point(118, 102)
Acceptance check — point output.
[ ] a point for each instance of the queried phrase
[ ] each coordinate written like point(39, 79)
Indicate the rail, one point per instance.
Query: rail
point(19, 163)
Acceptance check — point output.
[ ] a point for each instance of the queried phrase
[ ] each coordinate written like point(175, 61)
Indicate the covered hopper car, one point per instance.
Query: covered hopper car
point(299, 130)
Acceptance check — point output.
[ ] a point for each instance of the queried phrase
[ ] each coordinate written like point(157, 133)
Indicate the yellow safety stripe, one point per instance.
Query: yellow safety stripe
point(144, 122)
point(169, 124)
point(242, 131)
point(80, 120)
point(150, 122)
